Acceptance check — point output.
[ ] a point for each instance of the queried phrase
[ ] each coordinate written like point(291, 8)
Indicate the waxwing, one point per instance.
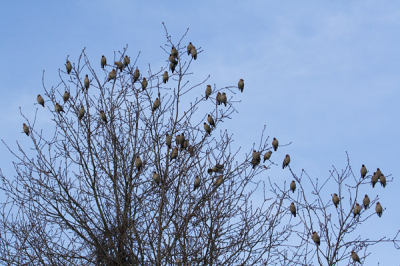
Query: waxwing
point(103, 116)
point(207, 128)
point(191, 150)
point(335, 200)
point(293, 186)
point(189, 48)
point(363, 171)
point(103, 61)
point(178, 139)
point(293, 209)
point(86, 82)
point(286, 161)
point(378, 209)
point(208, 91)
point(81, 113)
point(210, 120)
point(58, 108)
point(241, 85)
point(267, 155)
point(26, 129)
point(68, 66)
point(256, 156)
point(172, 59)
point(172, 67)
point(219, 181)
point(165, 77)
point(66, 96)
point(174, 52)
point(144, 84)
point(181, 139)
point(196, 182)
point(168, 140)
point(218, 98)
point(218, 168)
point(223, 98)
point(378, 172)
point(127, 60)
point(156, 104)
point(112, 75)
point(366, 202)
point(174, 153)
point(382, 179)
point(374, 179)
point(138, 163)
point(275, 144)
point(355, 257)
point(156, 177)
point(40, 100)
point(316, 239)
point(136, 75)
point(357, 210)
point(119, 65)
point(185, 145)
point(193, 51)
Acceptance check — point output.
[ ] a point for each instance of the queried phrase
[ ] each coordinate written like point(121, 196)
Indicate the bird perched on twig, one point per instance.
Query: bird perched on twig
point(316, 239)
point(165, 77)
point(172, 67)
point(127, 60)
point(218, 168)
point(357, 210)
point(112, 75)
point(81, 113)
point(208, 91)
point(207, 128)
point(86, 82)
point(156, 104)
point(138, 163)
point(293, 209)
point(218, 98)
point(119, 65)
point(189, 48)
point(68, 66)
point(174, 153)
point(196, 182)
point(210, 120)
point(174, 52)
point(144, 84)
point(366, 201)
point(363, 171)
point(378, 209)
point(355, 257)
point(382, 179)
point(223, 98)
point(168, 140)
point(103, 61)
point(172, 59)
point(103, 116)
point(40, 100)
point(286, 161)
point(241, 85)
point(66, 96)
point(26, 129)
point(293, 186)
point(374, 179)
point(156, 177)
point(136, 75)
point(275, 144)
point(256, 159)
point(58, 108)
point(193, 52)
point(335, 200)
point(267, 155)
point(219, 181)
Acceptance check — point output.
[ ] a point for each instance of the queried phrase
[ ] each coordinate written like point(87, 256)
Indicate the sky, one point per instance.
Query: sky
point(323, 75)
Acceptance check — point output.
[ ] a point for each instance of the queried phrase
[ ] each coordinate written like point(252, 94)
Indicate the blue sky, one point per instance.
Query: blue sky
point(323, 75)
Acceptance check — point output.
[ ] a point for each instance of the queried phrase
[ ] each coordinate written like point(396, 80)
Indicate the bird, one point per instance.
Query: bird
point(165, 77)
point(218, 168)
point(255, 160)
point(210, 120)
point(181, 139)
point(156, 104)
point(185, 144)
point(174, 153)
point(103, 116)
point(136, 75)
point(138, 163)
point(174, 52)
point(293, 186)
point(103, 61)
point(196, 182)
point(223, 98)
point(119, 65)
point(378, 171)
point(68, 66)
point(241, 85)
point(382, 179)
point(189, 48)
point(208, 91)
point(357, 210)
point(172, 67)
point(168, 140)
point(172, 59)
point(275, 144)
point(218, 98)
point(112, 75)
point(363, 171)
point(355, 257)
point(286, 161)
point(219, 181)
point(86, 82)
point(26, 129)
point(127, 60)
point(177, 139)
point(293, 209)
point(378, 209)
point(374, 179)
point(59, 108)
point(207, 128)
point(81, 113)
point(66, 96)
point(335, 200)
point(267, 155)
point(40, 100)
point(316, 239)
point(193, 52)
point(144, 84)
point(156, 177)
point(366, 202)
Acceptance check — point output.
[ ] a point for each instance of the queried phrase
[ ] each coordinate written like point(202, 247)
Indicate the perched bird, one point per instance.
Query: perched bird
point(267, 155)
point(26, 129)
point(241, 85)
point(189, 48)
point(219, 181)
point(66, 96)
point(119, 65)
point(40, 100)
point(185, 144)
point(103, 116)
point(382, 179)
point(112, 75)
point(210, 120)
point(156, 104)
point(68, 66)
point(275, 144)
point(81, 113)
point(293, 209)
point(316, 239)
point(223, 98)
point(196, 182)
point(366, 202)
point(127, 60)
point(165, 77)
point(172, 67)
point(363, 171)
point(286, 161)
point(218, 168)
point(178, 139)
point(357, 210)
point(378, 209)
point(86, 82)
point(59, 108)
point(168, 140)
point(174, 153)
point(293, 186)
point(191, 150)
point(144, 84)
point(103, 61)
point(156, 177)
point(181, 139)
point(256, 156)
point(193, 51)
point(207, 128)
point(218, 98)
point(335, 200)
point(355, 257)
point(138, 163)
point(208, 91)
point(172, 59)
point(378, 171)
point(136, 75)
point(174, 52)
point(374, 179)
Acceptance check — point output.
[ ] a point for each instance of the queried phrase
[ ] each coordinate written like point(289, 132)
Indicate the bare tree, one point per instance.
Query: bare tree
point(107, 187)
